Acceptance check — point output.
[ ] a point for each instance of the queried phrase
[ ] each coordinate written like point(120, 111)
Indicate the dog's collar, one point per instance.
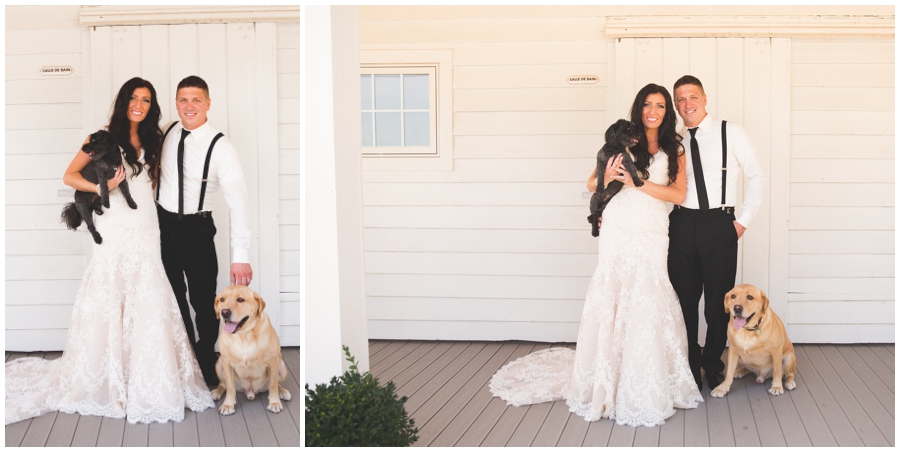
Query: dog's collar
point(755, 328)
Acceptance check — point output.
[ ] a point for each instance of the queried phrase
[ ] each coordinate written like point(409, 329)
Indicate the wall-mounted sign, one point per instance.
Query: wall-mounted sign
point(57, 70)
point(583, 79)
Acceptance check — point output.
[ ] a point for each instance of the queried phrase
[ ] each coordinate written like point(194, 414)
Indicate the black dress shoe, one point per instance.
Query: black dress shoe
point(715, 379)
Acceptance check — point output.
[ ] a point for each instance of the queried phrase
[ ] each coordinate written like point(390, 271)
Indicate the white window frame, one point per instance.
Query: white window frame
point(442, 61)
point(431, 149)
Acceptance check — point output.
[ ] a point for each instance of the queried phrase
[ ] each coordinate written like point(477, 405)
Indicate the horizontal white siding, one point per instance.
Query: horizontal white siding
point(289, 207)
point(842, 185)
point(44, 261)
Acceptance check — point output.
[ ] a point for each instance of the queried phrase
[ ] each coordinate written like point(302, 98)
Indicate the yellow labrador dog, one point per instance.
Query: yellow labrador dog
point(249, 350)
point(758, 342)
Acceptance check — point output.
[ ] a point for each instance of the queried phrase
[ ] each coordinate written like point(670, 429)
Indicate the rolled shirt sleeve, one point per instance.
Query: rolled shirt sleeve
point(234, 189)
point(755, 179)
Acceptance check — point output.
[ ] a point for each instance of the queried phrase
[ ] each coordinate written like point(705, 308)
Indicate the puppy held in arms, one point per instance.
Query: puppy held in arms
point(249, 351)
point(103, 149)
point(620, 137)
point(757, 341)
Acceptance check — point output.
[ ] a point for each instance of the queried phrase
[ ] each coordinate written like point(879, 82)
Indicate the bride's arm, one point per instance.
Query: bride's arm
point(674, 192)
point(74, 179)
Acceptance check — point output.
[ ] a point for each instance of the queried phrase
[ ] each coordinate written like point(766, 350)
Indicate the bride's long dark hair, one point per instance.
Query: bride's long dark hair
point(669, 140)
point(148, 129)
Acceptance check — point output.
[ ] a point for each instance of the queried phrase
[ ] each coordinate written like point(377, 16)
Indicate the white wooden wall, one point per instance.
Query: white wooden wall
point(48, 117)
point(44, 260)
point(499, 248)
point(289, 180)
point(842, 229)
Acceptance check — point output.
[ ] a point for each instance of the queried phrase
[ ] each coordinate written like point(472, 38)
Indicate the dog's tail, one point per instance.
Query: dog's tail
point(71, 216)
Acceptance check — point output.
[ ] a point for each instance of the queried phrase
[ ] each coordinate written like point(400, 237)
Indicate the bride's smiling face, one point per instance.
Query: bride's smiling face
point(139, 105)
point(654, 111)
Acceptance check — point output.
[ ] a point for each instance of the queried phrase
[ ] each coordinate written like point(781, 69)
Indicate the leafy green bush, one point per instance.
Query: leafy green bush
point(354, 410)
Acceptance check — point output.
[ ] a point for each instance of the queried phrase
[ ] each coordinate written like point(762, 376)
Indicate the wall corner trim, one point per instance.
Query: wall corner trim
point(172, 15)
point(750, 26)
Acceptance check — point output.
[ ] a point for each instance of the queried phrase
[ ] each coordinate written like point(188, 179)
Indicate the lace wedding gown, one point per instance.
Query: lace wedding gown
point(127, 353)
point(630, 363)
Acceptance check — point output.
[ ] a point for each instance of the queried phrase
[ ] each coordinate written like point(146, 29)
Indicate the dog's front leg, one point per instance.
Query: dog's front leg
point(104, 189)
point(632, 170)
point(777, 388)
point(274, 393)
point(127, 193)
point(722, 389)
point(220, 390)
point(230, 392)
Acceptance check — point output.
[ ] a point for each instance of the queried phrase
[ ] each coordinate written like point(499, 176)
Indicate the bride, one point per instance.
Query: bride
point(127, 353)
point(630, 363)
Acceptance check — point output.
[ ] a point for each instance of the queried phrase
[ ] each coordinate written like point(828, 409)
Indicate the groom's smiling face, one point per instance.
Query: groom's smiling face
point(192, 105)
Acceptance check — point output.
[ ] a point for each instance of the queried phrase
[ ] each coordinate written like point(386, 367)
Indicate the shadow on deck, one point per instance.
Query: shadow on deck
point(844, 397)
point(250, 425)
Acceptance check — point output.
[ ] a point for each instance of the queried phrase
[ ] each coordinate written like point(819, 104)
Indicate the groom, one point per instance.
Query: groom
point(196, 162)
point(703, 231)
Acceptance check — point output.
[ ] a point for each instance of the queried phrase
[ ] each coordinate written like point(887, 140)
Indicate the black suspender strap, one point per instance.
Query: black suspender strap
point(161, 145)
point(724, 161)
point(206, 169)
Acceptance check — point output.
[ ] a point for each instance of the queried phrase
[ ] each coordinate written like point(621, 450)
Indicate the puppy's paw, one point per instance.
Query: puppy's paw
point(776, 390)
point(740, 373)
point(218, 392)
point(132, 204)
point(106, 204)
point(790, 385)
point(274, 405)
point(284, 394)
point(720, 391)
point(251, 395)
point(226, 409)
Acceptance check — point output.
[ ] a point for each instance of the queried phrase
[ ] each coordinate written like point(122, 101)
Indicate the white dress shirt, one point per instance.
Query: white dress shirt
point(224, 173)
point(741, 156)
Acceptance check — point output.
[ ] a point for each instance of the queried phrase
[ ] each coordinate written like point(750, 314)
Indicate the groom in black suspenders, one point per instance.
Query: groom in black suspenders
point(198, 160)
point(703, 231)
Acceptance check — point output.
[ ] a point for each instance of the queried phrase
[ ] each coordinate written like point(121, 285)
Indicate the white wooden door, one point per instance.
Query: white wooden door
point(237, 61)
point(747, 82)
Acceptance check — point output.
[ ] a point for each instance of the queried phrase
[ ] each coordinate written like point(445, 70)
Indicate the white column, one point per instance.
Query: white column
point(333, 273)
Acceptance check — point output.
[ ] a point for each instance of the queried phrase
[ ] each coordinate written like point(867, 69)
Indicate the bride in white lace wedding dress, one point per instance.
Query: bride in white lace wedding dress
point(126, 353)
point(630, 363)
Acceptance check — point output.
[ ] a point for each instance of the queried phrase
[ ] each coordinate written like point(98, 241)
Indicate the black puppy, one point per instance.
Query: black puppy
point(619, 137)
point(105, 158)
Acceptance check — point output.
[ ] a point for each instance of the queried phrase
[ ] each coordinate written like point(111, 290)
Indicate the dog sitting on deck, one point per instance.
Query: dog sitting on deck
point(620, 136)
point(250, 352)
point(758, 342)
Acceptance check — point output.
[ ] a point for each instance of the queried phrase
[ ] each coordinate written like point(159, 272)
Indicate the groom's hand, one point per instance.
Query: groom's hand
point(740, 229)
point(241, 274)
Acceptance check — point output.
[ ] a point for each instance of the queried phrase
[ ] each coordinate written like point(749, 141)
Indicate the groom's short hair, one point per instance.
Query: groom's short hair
point(685, 80)
point(192, 81)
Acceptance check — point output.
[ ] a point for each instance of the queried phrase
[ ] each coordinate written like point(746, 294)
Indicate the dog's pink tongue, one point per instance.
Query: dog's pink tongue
point(739, 322)
point(230, 327)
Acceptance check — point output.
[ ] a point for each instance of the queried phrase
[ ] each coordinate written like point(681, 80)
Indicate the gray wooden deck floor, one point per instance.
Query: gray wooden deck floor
point(844, 397)
point(250, 425)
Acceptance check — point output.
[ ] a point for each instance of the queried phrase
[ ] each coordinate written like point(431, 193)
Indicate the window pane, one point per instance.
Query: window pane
point(367, 129)
point(387, 93)
point(415, 129)
point(387, 128)
point(415, 91)
point(365, 91)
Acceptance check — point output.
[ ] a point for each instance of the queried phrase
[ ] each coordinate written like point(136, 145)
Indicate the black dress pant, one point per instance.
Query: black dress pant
point(703, 259)
point(188, 251)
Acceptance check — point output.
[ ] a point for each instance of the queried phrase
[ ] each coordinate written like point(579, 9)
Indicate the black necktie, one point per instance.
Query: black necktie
point(184, 134)
point(698, 171)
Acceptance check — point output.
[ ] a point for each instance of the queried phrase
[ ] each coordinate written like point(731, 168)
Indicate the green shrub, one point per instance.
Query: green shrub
point(353, 410)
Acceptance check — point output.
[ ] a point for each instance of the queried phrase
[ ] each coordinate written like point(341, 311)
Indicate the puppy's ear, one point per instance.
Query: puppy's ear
point(260, 303)
point(765, 301)
point(728, 297)
point(216, 307)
